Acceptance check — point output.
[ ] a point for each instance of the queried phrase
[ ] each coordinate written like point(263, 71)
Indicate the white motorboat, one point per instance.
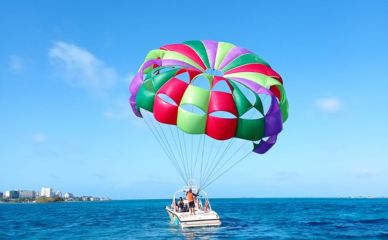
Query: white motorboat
point(203, 215)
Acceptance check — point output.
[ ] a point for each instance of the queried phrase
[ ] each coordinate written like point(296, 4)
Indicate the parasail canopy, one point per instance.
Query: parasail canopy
point(201, 98)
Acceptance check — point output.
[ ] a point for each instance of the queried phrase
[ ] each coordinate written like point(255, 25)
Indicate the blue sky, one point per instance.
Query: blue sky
point(65, 121)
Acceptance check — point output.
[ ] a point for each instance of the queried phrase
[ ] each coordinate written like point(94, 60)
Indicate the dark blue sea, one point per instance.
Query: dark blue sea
point(241, 219)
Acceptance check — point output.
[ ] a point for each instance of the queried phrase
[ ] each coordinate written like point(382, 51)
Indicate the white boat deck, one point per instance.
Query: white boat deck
point(201, 218)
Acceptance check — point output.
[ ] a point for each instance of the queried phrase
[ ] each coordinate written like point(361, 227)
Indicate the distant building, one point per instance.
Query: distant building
point(11, 194)
point(46, 192)
point(58, 194)
point(26, 194)
point(68, 195)
point(1, 195)
point(85, 198)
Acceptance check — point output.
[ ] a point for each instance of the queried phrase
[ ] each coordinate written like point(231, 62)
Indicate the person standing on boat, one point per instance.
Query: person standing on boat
point(181, 205)
point(206, 205)
point(190, 198)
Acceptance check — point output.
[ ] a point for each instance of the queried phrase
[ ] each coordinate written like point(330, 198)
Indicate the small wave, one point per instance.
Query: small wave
point(314, 223)
point(383, 235)
point(341, 226)
point(373, 221)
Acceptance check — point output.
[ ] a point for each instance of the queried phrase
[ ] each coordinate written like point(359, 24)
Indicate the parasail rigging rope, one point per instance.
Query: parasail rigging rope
point(196, 157)
point(199, 157)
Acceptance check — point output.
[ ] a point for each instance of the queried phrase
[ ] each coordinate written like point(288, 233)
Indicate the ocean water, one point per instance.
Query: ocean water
point(241, 219)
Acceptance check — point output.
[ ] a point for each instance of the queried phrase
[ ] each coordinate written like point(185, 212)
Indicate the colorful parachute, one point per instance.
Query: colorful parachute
point(211, 91)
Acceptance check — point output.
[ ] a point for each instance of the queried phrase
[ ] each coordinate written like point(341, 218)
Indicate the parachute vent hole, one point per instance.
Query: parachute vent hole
point(185, 77)
point(263, 139)
point(222, 86)
point(223, 114)
point(193, 109)
point(145, 76)
point(253, 113)
point(202, 82)
point(214, 72)
point(247, 92)
point(167, 99)
point(266, 101)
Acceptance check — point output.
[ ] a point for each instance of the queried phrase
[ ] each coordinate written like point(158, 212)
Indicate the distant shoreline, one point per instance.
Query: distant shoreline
point(52, 202)
point(169, 199)
point(218, 198)
point(44, 199)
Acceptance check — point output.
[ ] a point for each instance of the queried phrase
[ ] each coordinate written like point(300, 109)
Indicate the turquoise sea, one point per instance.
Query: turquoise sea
point(241, 219)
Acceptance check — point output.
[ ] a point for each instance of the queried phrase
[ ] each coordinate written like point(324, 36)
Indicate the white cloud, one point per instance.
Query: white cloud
point(329, 104)
point(16, 63)
point(39, 138)
point(99, 176)
point(80, 68)
point(128, 78)
point(118, 110)
point(286, 175)
point(116, 115)
point(73, 147)
point(364, 173)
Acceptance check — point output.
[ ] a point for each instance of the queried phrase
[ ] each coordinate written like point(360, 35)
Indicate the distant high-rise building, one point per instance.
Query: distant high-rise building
point(1, 195)
point(68, 195)
point(11, 194)
point(46, 192)
point(26, 194)
point(58, 194)
point(7, 194)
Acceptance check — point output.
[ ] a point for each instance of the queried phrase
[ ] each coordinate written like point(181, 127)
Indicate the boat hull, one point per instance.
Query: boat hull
point(200, 219)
